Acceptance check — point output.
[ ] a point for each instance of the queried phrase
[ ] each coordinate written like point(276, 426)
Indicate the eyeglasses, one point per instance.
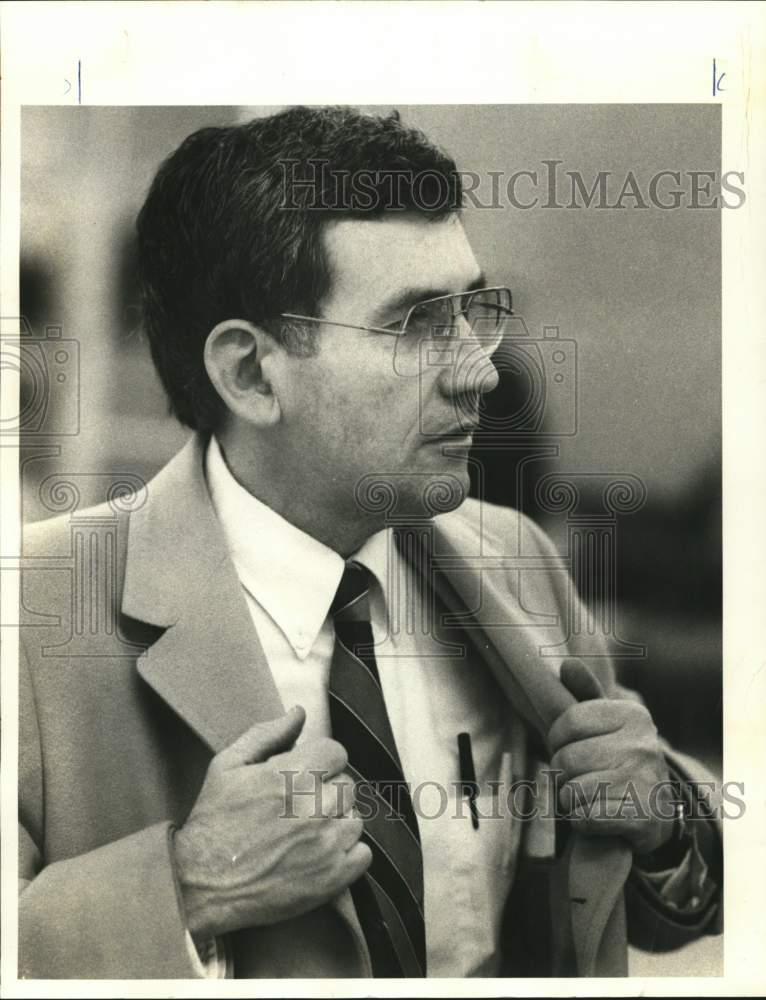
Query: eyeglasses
point(485, 313)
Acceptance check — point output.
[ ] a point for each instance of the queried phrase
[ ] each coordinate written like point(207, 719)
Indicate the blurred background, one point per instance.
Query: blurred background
point(635, 294)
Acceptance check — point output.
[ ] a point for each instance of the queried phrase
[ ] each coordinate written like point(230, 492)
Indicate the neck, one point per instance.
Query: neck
point(300, 496)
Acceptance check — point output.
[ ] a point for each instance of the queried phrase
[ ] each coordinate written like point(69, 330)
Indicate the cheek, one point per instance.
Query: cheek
point(358, 402)
point(330, 415)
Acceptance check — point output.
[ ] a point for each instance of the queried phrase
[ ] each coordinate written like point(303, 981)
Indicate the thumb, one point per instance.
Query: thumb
point(264, 739)
point(580, 681)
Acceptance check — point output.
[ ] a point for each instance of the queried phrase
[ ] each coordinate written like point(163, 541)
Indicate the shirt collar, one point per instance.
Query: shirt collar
point(379, 556)
point(290, 574)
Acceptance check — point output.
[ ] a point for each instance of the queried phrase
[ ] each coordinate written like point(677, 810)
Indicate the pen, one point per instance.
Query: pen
point(468, 783)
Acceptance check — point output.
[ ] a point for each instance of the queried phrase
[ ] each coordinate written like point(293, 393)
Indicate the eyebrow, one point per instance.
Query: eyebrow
point(410, 296)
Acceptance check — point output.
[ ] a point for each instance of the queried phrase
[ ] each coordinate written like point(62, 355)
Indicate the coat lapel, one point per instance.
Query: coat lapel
point(208, 665)
point(509, 639)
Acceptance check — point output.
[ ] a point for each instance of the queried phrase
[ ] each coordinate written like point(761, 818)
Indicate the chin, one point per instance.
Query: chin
point(418, 493)
point(438, 491)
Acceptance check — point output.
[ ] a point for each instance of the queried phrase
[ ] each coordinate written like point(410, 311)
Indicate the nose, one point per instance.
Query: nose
point(473, 373)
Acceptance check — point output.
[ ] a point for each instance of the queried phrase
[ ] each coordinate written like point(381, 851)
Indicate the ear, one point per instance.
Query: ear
point(238, 359)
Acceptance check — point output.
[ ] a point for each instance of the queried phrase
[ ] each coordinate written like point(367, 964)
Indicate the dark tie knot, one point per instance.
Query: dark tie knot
point(353, 587)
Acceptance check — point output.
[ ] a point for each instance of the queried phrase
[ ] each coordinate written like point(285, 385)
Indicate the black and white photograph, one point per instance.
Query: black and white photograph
point(368, 585)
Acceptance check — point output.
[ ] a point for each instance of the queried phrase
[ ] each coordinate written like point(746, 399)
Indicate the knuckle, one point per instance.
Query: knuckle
point(326, 807)
point(356, 862)
point(349, 831)
point(598, 711)
point(341, 835)
point(348, 796)
point(636, 715)
point(329, 838)
point(573, 732)
point(341, 787)
point(364, 852)
point(635, 709)
point(321, 756)
point(561, 732)
point(339, 861)
point(281, 763)
point(581, 708)
point(563, 761)
point(336, 753)
point(567, 721)
point(326, 880)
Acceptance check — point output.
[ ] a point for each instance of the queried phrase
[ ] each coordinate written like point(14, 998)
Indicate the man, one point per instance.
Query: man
point(319, 319)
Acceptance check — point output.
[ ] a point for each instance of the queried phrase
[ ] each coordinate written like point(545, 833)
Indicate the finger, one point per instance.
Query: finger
point(358, 860)
point(350, 829)
point(324, 756)
point(336, 798)
point(591, 797)
point(342, 788)
point(587, 719)
point(597, 753)
point(264, 739)
point(605, 827)
point(579, 680)
point(605, 802)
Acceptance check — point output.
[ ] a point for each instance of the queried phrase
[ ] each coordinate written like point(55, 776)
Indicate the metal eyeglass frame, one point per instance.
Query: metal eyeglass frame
point(403, 328)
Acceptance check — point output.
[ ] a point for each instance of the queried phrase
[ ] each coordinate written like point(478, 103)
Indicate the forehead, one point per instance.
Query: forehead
point(371, 260)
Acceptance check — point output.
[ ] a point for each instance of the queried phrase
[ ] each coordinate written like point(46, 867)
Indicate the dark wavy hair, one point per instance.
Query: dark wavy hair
point(232, 228)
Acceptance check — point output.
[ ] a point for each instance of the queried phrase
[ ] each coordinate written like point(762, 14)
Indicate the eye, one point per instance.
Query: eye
point(431, 319)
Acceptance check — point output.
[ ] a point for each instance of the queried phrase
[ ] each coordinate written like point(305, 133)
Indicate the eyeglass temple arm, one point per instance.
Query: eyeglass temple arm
point(334, 322)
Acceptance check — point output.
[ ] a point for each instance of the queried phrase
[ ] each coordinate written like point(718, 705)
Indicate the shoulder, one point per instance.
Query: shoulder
point(84, 552)
point(499, 528)
point(52, 537)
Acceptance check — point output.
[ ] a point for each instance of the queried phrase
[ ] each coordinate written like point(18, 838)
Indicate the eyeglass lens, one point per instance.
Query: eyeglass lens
point(484, 311)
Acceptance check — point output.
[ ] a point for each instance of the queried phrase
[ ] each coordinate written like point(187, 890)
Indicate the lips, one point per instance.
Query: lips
point(462, 430)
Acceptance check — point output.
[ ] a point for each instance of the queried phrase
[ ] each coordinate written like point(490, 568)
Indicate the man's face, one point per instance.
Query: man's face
point(365, 405)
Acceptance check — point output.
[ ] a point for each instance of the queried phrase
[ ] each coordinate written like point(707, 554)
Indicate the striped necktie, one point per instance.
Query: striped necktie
point(389, 897)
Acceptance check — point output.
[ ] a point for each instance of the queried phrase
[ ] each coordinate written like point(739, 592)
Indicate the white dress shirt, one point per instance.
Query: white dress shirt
point(289, 580)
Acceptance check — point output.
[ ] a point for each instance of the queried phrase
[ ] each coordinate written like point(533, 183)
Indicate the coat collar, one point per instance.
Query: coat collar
point(208, 664)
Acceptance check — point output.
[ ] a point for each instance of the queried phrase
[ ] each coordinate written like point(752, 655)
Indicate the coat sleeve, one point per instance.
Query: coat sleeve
point(671, 908)
point(112, 913)
point(655, 921)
